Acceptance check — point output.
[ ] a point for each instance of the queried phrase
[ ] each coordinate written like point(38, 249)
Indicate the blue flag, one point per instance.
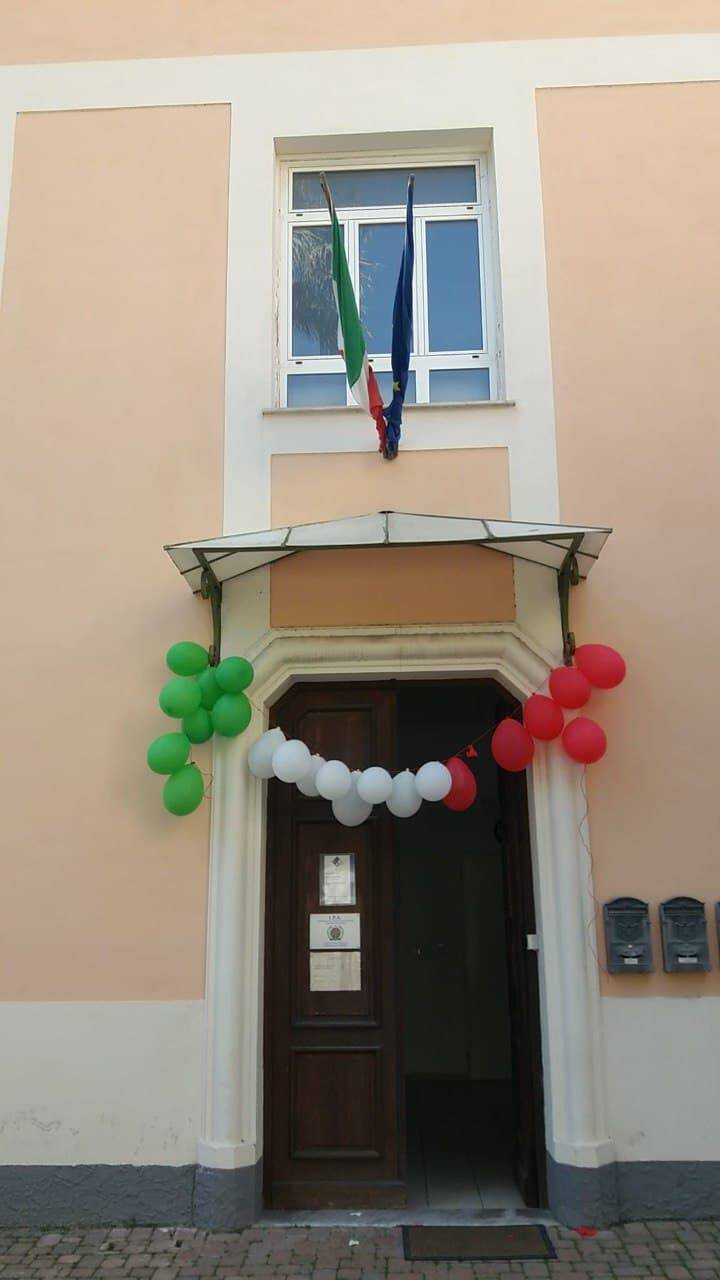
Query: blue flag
point(402, 333)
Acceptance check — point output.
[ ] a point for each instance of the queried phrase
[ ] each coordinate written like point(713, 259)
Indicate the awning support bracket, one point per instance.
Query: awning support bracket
point(568, 576)
point(211, 589)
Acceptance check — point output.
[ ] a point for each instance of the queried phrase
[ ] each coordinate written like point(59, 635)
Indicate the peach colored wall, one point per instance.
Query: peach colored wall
point(112, 335)
point(78, 30)
point(438, 584)
point(631, 191)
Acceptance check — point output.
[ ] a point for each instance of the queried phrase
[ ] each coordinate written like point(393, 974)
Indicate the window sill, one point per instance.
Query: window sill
point(409, 408)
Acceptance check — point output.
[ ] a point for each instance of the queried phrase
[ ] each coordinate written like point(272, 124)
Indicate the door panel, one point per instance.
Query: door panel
point(322, 1080)
point(332, 1102)
point(313, 841)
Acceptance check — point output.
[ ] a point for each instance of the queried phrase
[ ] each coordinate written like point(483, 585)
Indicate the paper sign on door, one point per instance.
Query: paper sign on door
point(335, 971)
point(335, 932)
point(337, 879)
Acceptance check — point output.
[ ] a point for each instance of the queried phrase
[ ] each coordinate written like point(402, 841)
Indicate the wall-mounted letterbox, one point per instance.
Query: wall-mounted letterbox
point(684, 936)
point(627, 936)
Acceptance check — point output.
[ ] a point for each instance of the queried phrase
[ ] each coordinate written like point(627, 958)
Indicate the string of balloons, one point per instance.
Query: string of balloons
point(353, 794)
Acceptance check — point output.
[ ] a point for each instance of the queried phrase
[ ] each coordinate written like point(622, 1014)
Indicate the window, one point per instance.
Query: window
point(456, 349)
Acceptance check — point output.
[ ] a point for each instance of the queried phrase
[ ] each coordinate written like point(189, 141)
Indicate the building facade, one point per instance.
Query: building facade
point(167, 373)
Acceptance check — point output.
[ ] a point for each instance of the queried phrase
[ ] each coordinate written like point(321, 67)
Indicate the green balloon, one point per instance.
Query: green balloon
point(209, 688)
point(234, 674)
point(184, 790)
point(198, 725)
point(231, 714)
point(168, 753)
point(187, 658)
point(179, 697)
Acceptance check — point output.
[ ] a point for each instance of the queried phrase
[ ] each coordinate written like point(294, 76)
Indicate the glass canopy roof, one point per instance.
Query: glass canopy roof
point(240, 553)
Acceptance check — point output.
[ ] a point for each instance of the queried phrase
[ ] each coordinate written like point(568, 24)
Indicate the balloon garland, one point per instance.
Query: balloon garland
point(206, 700)
point(212, 700)
point(354, 794)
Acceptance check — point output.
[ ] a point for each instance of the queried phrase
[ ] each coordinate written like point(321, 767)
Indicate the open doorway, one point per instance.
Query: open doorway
point(408, 1071)
point(469, 1096)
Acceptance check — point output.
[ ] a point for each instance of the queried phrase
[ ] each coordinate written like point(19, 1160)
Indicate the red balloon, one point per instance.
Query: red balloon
point(463, 791)
point(569, 687)
point(603, 666)
point(584, 740)
point(543, 717)
point(512, 747)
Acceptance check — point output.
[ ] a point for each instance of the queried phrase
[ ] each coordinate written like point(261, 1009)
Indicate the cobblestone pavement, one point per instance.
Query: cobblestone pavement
point(667, 1250)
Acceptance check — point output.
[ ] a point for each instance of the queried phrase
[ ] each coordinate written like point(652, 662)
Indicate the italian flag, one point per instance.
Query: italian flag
point(351, 341)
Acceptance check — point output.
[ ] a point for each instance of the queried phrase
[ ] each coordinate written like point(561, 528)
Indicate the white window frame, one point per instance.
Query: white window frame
point(422, 361)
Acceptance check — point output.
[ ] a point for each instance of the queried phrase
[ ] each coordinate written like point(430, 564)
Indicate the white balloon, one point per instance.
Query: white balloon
point(350, 809)
point(433, 780)
point(404, 800)
point(261, 753)
point(291, 760)
point(333, 780)
point(306, 784)
point(374, 785)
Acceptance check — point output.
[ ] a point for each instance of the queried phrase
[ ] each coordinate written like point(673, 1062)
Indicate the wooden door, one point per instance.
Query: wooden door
point(529, 1159)
point(333, 1120)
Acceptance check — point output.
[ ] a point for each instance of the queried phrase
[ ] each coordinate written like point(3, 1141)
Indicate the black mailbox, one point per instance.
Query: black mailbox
point(684, 936)
point(627, 936)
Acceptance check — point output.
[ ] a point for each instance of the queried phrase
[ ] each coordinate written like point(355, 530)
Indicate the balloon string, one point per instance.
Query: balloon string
point(206, 773)
point(486, 732)
point(582, 828)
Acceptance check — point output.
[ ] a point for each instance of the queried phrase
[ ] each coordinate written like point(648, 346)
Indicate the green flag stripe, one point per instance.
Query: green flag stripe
point(349, 320)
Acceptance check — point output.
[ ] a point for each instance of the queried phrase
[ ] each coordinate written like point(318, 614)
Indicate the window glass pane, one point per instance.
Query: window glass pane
point(451, 385)
point(367, 188)
point(314, 315)
point(313, 389)
point(453, 283)
point(385, 384)
point(381, 248)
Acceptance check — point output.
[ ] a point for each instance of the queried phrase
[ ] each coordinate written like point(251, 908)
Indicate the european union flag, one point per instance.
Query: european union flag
point(402, 333)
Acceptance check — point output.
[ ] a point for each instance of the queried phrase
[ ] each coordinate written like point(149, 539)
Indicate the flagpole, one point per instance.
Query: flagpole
point(326, 192)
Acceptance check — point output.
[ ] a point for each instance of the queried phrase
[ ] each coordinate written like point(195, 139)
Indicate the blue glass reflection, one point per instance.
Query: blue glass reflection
point(310, 390)
point(380, 252)
point(370, 188)
point(385, 384)
point(314, 315)
point(448, 386)
point(453, 272)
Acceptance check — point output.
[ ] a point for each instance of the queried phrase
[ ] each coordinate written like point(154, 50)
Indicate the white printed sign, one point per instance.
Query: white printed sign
point(337, 880)
point(335, 971)
point(335, 932)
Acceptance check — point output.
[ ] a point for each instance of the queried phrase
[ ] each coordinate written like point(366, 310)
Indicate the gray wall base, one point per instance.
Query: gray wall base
point(582, 1197)
point(227, 1199)
point(669, 1189)
point(633, 1189)
point(162, 1195)
point(51, 1195)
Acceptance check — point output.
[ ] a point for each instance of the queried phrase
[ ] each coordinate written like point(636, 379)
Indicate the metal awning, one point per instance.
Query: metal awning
point(239, 553)
point(569, 550)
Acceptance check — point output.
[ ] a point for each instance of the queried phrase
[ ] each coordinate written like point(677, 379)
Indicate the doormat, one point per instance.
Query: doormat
point(483, 1244)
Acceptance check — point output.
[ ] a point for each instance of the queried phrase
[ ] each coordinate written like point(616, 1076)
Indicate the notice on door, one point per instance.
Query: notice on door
point(335, 971)
point(335, 932)
point(337, 880)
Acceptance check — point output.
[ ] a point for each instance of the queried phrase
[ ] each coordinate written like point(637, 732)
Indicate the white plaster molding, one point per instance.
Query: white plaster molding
point(577, 1130)
point(218, 1155)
